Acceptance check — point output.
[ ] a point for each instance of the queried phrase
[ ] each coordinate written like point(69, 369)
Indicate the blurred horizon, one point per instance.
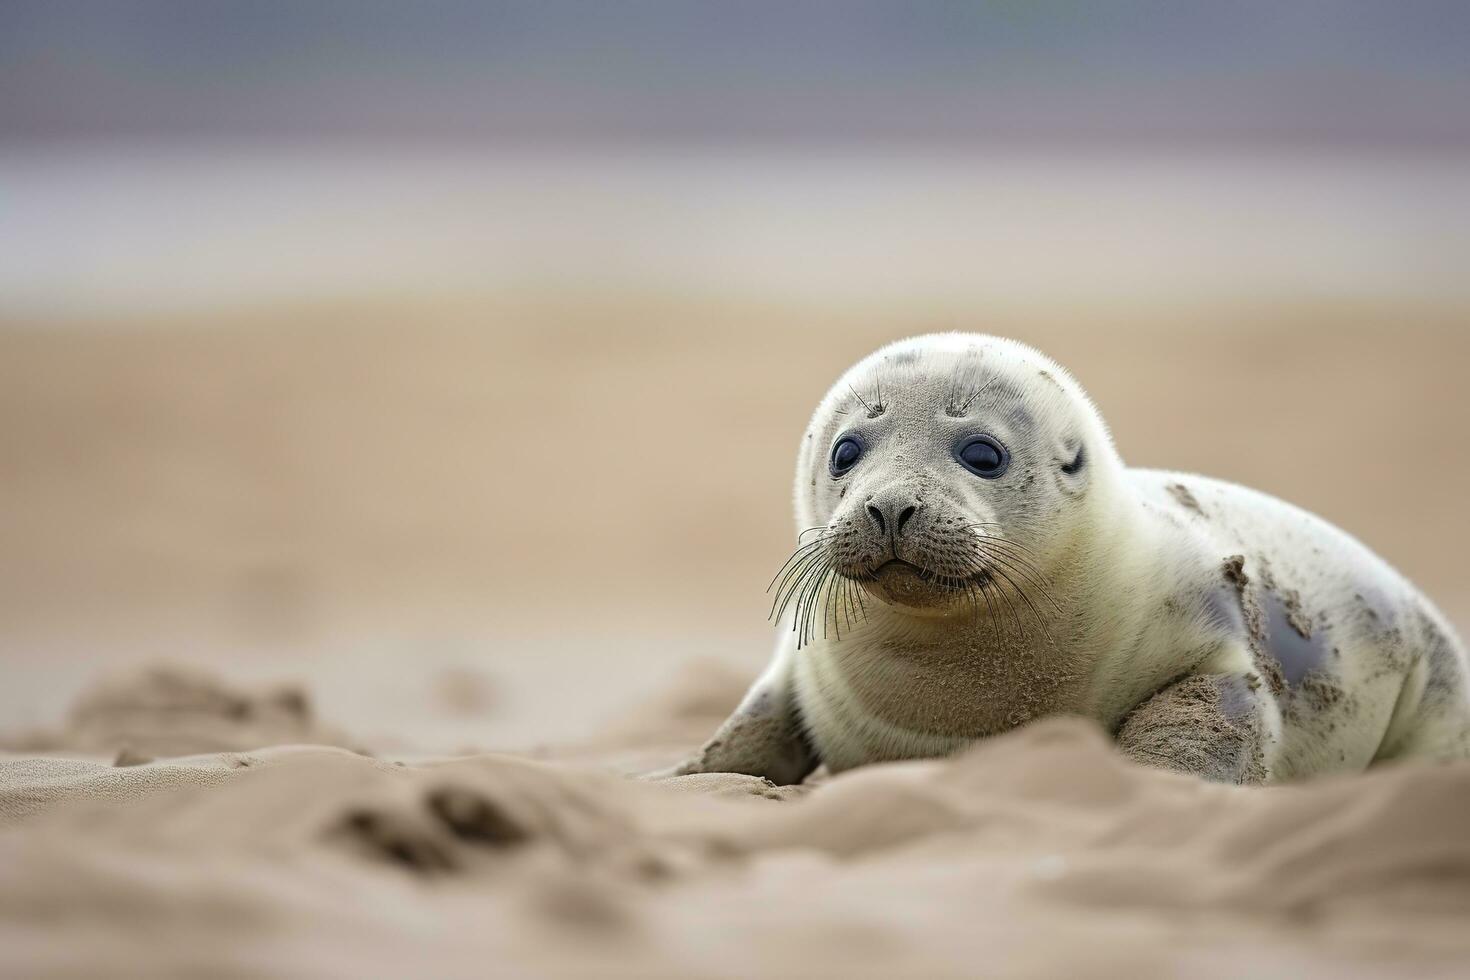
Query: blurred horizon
point(173, 229)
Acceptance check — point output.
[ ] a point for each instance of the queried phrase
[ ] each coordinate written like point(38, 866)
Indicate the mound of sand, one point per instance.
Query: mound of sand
point(173, 710)
point(1042, 853)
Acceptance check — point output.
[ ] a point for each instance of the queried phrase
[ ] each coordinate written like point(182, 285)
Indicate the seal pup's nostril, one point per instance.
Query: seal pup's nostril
point(903, 518)
point(877, 516)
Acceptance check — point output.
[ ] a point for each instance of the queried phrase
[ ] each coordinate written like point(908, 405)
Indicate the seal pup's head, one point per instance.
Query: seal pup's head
point(944, 475)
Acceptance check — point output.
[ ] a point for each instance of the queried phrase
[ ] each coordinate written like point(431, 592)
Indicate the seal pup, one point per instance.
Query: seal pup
point(973, 554)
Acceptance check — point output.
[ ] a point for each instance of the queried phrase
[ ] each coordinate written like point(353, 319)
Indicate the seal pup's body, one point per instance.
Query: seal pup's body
point(976, 556)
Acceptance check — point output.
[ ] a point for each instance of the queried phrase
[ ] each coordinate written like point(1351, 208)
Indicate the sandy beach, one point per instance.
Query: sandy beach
point(307, 674)
point(1038, 854)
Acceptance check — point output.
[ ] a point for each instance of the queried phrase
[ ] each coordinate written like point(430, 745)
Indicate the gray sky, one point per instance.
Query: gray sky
point(1386, 72)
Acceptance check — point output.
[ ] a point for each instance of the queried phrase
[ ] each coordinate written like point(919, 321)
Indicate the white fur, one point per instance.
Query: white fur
point(1138, 579)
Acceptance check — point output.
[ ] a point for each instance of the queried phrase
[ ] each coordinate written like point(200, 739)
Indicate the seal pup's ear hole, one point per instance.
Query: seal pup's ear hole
point(1079, 459)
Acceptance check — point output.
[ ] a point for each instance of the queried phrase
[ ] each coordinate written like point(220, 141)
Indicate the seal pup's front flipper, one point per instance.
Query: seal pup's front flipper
point(1217, 726)
point(763, 737)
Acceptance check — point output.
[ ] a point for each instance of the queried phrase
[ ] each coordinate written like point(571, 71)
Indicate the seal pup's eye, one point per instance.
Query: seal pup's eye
point(1072, 468)
point(983, 456)
point(845, 455)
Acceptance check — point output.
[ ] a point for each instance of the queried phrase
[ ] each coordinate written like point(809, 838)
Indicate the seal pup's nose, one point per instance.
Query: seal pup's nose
point(891, 513)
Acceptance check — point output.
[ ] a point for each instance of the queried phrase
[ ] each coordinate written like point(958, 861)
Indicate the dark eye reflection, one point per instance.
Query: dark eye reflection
point(983, 456)
point(845, 455)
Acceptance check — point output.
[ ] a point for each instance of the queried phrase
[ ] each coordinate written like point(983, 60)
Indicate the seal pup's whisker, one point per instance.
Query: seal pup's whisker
point(954, 387)
point(999, 546)
point(791, 583)
point(822, 597)
point(806, 603)
point(992, 546)
point(827, 611)
point(796, 555)
point(1010, 607)
point(989, 536)
point(995, 567)
point(1016, 556)
point(1025, 571)
point(992, 568)
point(1025, 598)
point(845, 600)
point(795, 591)
point(794, 579)
point(985, 586)
point(989, 580)
point(980, 391)
point(866, 407)
point(806, 594)
point(792, 564)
